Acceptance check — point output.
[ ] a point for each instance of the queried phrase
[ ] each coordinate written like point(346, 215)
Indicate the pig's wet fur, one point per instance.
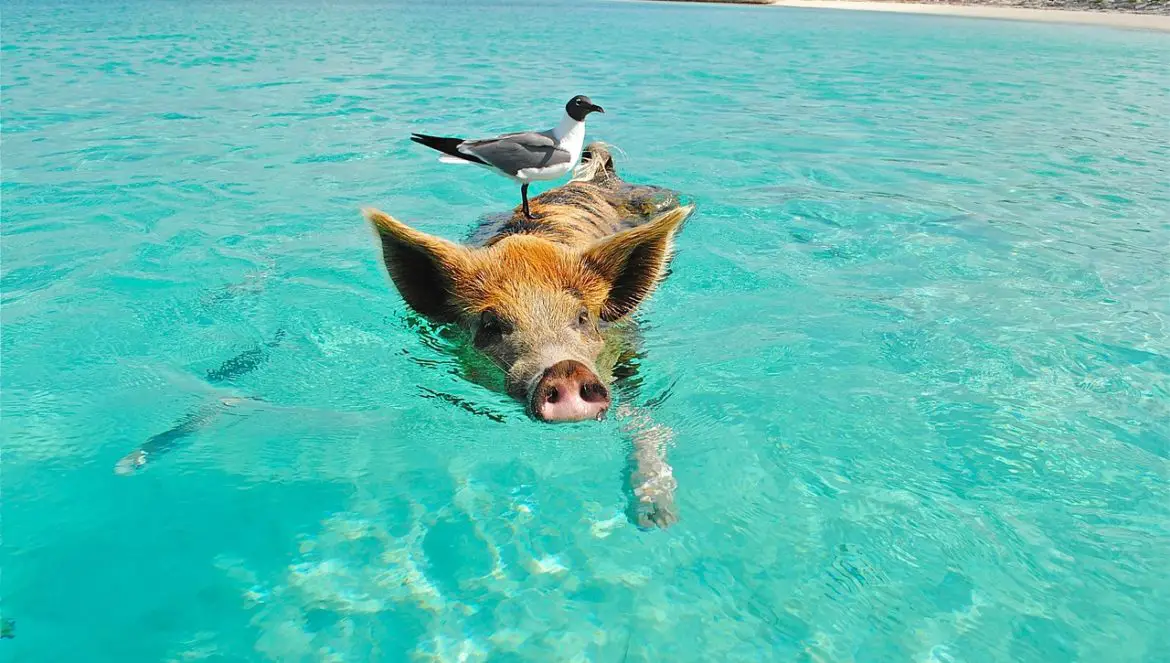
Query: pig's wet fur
point(594, 187)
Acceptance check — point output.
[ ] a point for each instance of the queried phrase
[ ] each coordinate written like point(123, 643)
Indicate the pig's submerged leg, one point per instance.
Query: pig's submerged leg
point(651, 480)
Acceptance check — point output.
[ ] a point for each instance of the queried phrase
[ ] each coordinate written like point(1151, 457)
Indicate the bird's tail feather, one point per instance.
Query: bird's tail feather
point(448, 146)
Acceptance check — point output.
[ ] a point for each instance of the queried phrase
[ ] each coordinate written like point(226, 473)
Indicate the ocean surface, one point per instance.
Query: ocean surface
point(914, 352)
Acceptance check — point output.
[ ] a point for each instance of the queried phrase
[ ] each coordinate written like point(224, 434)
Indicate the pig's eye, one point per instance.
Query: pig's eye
point(491, 328)
point(583, 318)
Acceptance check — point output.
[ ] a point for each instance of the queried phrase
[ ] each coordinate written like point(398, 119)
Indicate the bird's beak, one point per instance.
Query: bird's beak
point(596, 109)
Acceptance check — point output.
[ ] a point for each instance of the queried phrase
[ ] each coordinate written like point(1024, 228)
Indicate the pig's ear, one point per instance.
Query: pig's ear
point(634, 260)
point(423, 267)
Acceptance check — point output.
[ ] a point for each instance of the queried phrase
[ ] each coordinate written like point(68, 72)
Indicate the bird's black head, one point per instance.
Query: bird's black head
point(580, 106)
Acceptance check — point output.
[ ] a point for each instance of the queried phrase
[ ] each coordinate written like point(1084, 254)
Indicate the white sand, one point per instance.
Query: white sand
point(1114, 19)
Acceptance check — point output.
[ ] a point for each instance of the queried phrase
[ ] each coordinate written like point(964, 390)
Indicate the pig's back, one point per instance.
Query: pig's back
point(579, 213)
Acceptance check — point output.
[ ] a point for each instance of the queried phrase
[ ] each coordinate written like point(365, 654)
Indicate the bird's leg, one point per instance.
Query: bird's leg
point(524, 195)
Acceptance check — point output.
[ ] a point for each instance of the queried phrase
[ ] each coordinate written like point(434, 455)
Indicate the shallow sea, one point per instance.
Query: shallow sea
point(914, 351)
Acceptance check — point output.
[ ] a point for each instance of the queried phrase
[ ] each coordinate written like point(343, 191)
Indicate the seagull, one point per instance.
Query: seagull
point(527, 156)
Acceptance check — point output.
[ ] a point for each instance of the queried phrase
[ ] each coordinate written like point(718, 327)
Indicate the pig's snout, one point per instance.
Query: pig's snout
point(569, 391)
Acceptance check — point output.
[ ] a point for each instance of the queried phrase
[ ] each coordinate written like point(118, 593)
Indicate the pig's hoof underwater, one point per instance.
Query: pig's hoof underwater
point(660, 512)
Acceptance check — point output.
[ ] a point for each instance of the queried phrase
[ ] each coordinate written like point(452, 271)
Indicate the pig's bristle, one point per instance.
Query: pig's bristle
point(596, 164)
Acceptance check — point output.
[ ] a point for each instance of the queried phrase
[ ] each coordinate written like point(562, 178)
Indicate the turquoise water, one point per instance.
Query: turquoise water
point(914, 352)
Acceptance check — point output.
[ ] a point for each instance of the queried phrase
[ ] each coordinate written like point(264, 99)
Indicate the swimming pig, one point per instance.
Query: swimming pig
point(548, 299)
point(545, 298)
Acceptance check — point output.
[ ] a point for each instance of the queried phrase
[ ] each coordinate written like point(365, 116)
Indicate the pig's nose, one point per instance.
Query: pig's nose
point(569, 391)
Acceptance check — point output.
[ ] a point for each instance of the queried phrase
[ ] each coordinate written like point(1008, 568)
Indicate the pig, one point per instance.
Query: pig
point(548, 299)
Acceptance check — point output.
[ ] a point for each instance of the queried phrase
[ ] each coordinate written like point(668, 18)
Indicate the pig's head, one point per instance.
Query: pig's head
point(538, 309)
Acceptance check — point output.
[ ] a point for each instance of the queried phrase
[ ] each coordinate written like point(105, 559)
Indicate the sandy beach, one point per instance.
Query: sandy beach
point(1160, 22)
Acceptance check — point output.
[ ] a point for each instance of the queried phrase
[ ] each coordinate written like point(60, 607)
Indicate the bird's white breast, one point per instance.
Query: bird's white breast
point(570, 135)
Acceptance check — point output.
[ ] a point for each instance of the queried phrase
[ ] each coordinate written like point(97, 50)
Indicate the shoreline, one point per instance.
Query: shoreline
point(1115, 19)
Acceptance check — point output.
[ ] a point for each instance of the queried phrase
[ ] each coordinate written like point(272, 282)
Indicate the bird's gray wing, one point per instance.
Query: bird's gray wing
point(512, 153)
